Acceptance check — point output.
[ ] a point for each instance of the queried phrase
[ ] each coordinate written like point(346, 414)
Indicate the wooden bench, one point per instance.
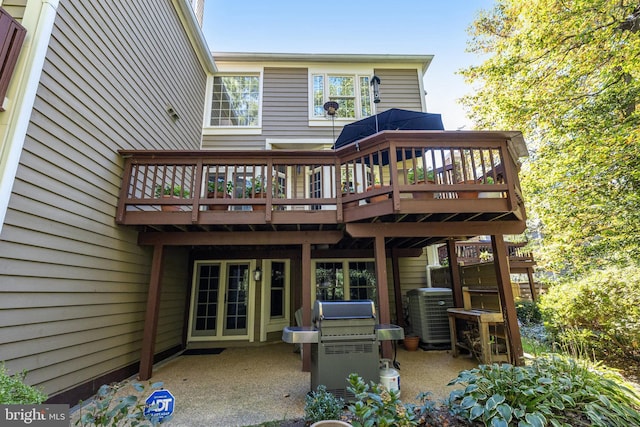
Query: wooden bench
point(482, 307)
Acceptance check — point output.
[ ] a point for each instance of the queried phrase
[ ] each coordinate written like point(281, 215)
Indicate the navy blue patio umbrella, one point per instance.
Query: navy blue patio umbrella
point(392, 119)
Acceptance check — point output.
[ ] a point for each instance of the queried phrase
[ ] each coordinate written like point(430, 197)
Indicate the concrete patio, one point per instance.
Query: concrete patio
point(244, 386)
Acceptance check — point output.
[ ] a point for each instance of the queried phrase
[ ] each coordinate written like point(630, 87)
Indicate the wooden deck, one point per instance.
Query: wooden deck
point(470, 185)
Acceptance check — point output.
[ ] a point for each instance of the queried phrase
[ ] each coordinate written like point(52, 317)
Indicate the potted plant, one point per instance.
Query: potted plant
point(323, 408)
point(220, 190)
point(256, 190)
point(411, 342)
point(348, 188)
point(175, 191)
point(468, 194)
point(418, 176)
point(378, 198)
point(489, 194)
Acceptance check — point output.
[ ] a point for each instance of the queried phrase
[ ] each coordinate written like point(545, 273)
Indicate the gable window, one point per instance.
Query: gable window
point(235, 101)
point(351, 92)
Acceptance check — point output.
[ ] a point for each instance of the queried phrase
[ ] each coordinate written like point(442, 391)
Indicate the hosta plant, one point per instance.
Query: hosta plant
point(553, 390)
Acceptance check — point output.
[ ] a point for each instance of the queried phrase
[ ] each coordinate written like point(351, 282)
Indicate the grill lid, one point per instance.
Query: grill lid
point(339, 310)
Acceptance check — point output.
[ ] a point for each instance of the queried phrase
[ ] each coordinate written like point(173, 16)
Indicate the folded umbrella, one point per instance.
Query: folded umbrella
point(392, 119)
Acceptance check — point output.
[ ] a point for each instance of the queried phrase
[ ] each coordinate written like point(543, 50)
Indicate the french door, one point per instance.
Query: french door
point(221, 300)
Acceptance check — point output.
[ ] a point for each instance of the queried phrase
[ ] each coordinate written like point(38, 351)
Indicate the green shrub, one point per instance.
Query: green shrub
point(379, 407)
point(599, 313)
point(322, 405)
point(554, 390)
point(528, 312)
point(13, 390)
point(534, 346)
point(108, 410)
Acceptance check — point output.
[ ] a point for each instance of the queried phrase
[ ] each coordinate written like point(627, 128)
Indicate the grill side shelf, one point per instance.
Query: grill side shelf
point(387, 331)
point(300, 334)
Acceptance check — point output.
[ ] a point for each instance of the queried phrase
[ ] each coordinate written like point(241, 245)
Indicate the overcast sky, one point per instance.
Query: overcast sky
point(423, 27)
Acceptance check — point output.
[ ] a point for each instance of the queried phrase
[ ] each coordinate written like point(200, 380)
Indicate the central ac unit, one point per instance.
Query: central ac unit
point(428, 314)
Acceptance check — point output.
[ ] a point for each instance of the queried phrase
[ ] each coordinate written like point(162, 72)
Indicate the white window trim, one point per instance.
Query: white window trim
point(346, 70)
point(207, 129)
point(298, 143)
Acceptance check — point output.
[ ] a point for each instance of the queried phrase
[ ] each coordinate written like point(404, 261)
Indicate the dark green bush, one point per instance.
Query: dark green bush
point(13, 390)
point(553, 390)
point(599, 313)
point(528, 312)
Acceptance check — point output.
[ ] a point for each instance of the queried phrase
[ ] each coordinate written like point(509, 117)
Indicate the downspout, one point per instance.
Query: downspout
point(38, 20)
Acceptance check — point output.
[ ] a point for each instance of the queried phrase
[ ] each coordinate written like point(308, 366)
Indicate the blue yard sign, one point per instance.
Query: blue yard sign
point(160, 405)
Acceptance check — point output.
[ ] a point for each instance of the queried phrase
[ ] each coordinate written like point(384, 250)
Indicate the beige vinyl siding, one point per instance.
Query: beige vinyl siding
point(399, 89)
point(412, 276)
point(285, 113)
point(285, 104)
point(15, 8)
point(74, 285)
point(285, 107)
point(174, 295)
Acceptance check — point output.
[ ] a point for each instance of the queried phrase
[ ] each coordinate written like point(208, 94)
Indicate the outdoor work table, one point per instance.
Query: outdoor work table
point(484, 319)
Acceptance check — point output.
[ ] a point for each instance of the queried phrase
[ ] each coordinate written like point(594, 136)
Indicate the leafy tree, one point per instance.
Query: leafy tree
point(567, 73)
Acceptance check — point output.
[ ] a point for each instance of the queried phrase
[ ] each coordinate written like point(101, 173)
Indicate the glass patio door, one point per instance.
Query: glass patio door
point(205, 302)
point(236, 299)
point(220, 303)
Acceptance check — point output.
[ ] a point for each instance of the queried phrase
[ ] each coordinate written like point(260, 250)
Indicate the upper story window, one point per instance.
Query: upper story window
point(235, 101)
point(351, 92)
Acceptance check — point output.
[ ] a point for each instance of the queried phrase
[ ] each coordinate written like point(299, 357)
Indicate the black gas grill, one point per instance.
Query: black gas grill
point(346, 340)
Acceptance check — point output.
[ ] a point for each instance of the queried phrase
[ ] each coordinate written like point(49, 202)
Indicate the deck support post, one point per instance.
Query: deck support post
point(501, 263)
point(532, 284)
point(454, 270)
point(383, 291)
point(397, 290)
point(306, 302)
point(151, 316)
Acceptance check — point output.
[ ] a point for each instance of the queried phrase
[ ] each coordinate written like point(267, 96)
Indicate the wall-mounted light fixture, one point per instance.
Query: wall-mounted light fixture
point(257, 274)
point(172, 113)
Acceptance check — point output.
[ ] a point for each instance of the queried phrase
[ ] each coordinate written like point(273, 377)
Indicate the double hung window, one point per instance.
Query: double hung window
point(235, 101)
point(351, 92)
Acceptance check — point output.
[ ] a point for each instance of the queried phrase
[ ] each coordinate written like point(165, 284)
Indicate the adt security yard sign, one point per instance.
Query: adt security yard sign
point(159, 405)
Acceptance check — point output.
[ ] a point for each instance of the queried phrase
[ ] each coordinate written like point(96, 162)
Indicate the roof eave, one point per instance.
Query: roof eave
point(188, 18)
point(423, 60)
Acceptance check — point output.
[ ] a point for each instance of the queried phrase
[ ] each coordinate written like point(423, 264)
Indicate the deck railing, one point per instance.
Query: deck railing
point(472, 252)
point(400, 166)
